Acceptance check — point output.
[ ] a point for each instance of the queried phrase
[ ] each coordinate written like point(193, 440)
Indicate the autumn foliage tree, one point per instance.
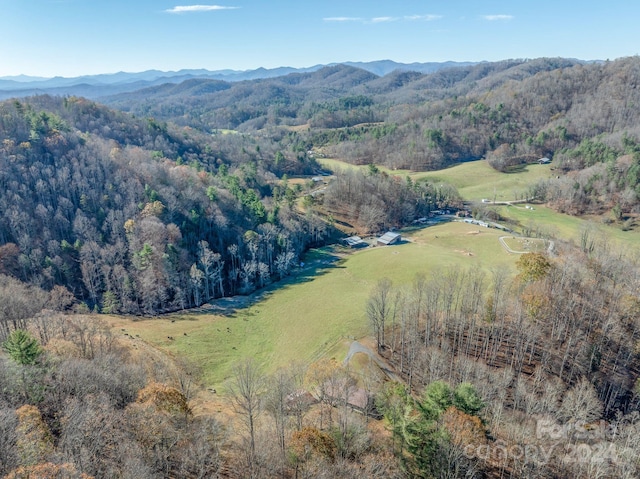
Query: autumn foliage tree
point(309, 443)
point(533, 267)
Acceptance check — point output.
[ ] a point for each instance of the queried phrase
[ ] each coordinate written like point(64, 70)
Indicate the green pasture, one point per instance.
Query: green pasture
point(570, 228)
point(526, 245)
point(335, 164)
point(474, 180)
point(318, 310)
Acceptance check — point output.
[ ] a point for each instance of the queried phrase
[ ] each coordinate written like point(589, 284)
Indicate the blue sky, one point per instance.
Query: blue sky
point(76, 37)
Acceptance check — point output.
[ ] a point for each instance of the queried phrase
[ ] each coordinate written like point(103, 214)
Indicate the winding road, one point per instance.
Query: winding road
point(504, 244)
point(357, 347)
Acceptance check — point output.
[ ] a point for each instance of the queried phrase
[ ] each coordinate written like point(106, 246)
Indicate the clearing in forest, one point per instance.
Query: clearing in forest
point(474, 180)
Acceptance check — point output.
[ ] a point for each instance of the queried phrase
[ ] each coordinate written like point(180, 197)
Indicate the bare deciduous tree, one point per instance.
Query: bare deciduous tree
point(246, 389)
point(380, 309)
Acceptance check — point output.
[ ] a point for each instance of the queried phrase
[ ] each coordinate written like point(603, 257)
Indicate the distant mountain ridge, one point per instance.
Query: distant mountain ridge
point(96, 86)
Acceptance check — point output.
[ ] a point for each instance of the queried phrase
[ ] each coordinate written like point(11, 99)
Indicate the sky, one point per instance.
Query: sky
point(83, 37)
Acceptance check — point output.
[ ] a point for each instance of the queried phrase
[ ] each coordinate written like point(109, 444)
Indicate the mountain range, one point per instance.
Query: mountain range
point(96, 86)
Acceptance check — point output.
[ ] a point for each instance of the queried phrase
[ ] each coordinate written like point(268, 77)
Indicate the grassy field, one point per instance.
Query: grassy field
point(318, 311)
point(529, 245)
point(570, 227)
point(474, 179)
point(334, 164)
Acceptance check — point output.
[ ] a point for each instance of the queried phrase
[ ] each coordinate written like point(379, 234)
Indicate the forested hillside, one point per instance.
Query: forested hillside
point(139, 216)
point(412, 120)
point(556, 347)
point(136, 216)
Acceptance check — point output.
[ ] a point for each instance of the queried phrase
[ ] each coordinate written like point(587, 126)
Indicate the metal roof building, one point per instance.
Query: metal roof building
point(353, 242)
point(389, 238)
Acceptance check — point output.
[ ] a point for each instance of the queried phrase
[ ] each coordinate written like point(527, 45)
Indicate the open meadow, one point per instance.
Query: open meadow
point(318, 310)
point(474, 180)
point(570, 228)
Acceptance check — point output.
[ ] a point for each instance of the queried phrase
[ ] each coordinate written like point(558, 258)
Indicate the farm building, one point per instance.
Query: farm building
point(353, 242)
point(357, 399)
point(389, 238)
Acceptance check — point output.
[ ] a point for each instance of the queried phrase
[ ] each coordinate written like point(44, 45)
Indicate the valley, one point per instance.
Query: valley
point(318, 312)
point(173, 268)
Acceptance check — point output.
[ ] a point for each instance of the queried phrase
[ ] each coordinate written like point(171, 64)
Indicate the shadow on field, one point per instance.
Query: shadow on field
point(517, 169)
point(316, 263)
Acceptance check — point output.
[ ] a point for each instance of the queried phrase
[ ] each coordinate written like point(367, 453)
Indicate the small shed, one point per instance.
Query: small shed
point(544, 161)
point(354, 242)
point(389, 238)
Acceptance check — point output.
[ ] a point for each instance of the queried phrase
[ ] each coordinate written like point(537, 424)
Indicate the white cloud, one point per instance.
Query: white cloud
point(496, 18)
point(406, 18)
point(198, 8)
point(428, 18)
point(343, 19)
point(383, 19)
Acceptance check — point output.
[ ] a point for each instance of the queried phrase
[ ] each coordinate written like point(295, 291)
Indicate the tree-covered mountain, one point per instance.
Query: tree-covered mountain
point(86, 185)
point(137, 216)
point(477, 373)
point(415, 120)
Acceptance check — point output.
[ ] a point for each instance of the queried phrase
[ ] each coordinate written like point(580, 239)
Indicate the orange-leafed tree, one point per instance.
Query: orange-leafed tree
point(463, 429)
point(310, 448)
point(164, 398)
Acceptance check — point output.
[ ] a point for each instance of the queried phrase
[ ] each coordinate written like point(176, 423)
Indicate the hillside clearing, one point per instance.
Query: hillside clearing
point(474, 180)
